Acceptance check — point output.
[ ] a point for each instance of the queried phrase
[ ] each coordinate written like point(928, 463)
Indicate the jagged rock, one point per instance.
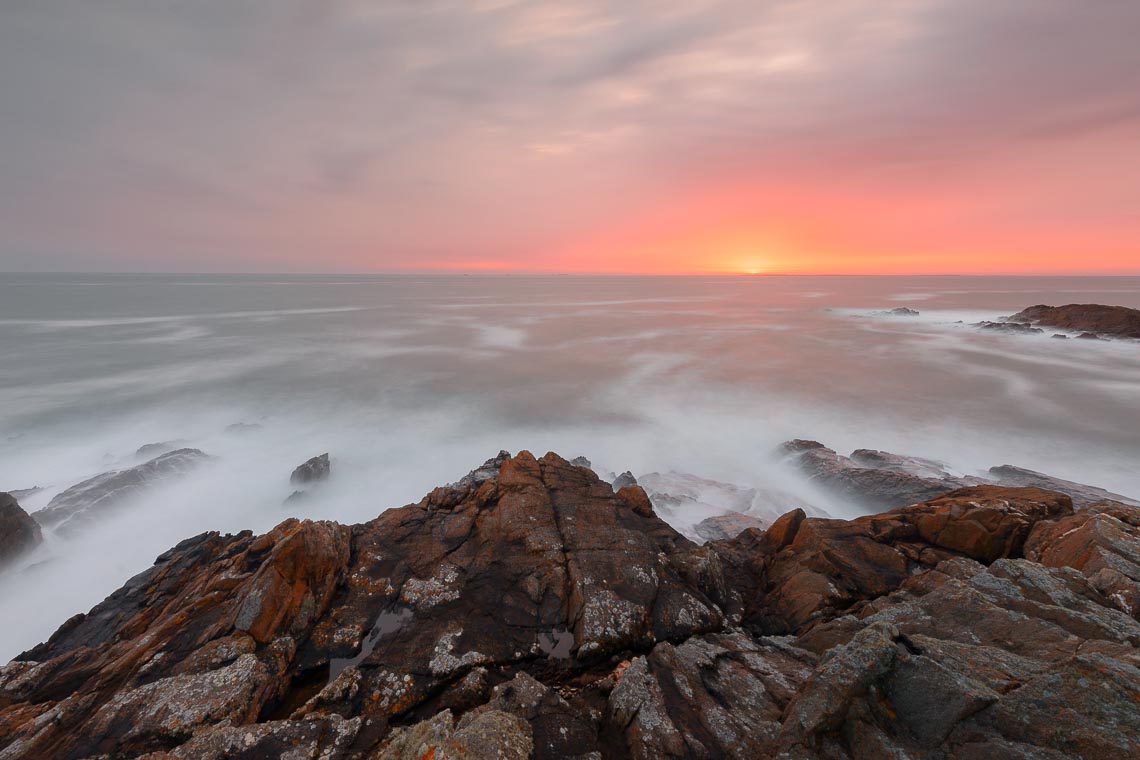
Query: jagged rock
point(874, 480)
point(728, 525)
point(74, 508)
point(903, 311)
point(812, 568)
point(1082, 495)
point(1016, 660)
point(316, 469)
point(19, 533)
point(1103, 542)
point(718, 695)
point(582, 462)
point(536, 613)
point(1089, 318)
point(623, 480)
point(483, 472)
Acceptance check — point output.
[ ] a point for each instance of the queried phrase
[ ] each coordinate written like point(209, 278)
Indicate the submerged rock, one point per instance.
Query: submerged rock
point(316, 469)
point(1091, 319)
point(536, 613)
point(19, 533)
point(73, 509)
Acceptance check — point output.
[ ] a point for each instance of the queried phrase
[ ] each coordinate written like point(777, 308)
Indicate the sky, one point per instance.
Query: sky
point(656, 136)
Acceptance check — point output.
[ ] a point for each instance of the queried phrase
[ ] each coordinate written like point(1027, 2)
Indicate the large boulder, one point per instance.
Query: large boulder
point(19, 533)
point(1114, 321)
point(73, 509)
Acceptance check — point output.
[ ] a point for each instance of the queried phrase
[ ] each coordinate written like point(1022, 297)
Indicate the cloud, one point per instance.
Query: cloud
point(259, 131)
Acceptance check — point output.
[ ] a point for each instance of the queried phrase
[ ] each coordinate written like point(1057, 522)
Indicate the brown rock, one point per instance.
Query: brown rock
point(830, 565)
point(1117, 321)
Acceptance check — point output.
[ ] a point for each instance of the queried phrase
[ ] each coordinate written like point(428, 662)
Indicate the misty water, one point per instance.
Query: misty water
point(409, 382)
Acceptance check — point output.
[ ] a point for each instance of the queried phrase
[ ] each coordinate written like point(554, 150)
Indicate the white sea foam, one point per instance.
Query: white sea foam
point(410, 383)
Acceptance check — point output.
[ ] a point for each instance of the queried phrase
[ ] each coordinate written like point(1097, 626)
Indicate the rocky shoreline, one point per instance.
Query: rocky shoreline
point(530, 610)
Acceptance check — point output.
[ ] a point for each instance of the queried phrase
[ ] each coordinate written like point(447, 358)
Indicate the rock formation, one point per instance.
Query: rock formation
point(312, 470)
point(1093, 319)
point(878, 480)
point(874, 480)
point(534, 612)
point(1081, 494)
point(72, 509)
point(19, 533)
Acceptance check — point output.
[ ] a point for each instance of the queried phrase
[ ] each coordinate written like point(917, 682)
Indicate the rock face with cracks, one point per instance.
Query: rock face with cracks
point(531, 611)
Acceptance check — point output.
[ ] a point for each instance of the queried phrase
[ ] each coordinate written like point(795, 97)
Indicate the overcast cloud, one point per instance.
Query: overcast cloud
point(311, 135)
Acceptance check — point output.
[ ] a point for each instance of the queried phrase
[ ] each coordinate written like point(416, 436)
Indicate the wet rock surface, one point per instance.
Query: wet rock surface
point(73, 509)
point(534, 612)
point(19, 533)
point(1092, 319)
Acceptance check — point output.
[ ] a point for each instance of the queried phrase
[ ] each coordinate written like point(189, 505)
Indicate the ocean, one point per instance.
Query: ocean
point(410, 381)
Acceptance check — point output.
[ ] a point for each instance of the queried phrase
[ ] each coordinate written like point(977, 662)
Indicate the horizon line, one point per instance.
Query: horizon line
point(558, 273)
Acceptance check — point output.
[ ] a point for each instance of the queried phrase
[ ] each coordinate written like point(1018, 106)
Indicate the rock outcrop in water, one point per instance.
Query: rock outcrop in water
point(533, 612)
point(311, 471)
point(874, 480)
point(19, 533)
point(74, 508)
point(1091, 318)
point(878, 480)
